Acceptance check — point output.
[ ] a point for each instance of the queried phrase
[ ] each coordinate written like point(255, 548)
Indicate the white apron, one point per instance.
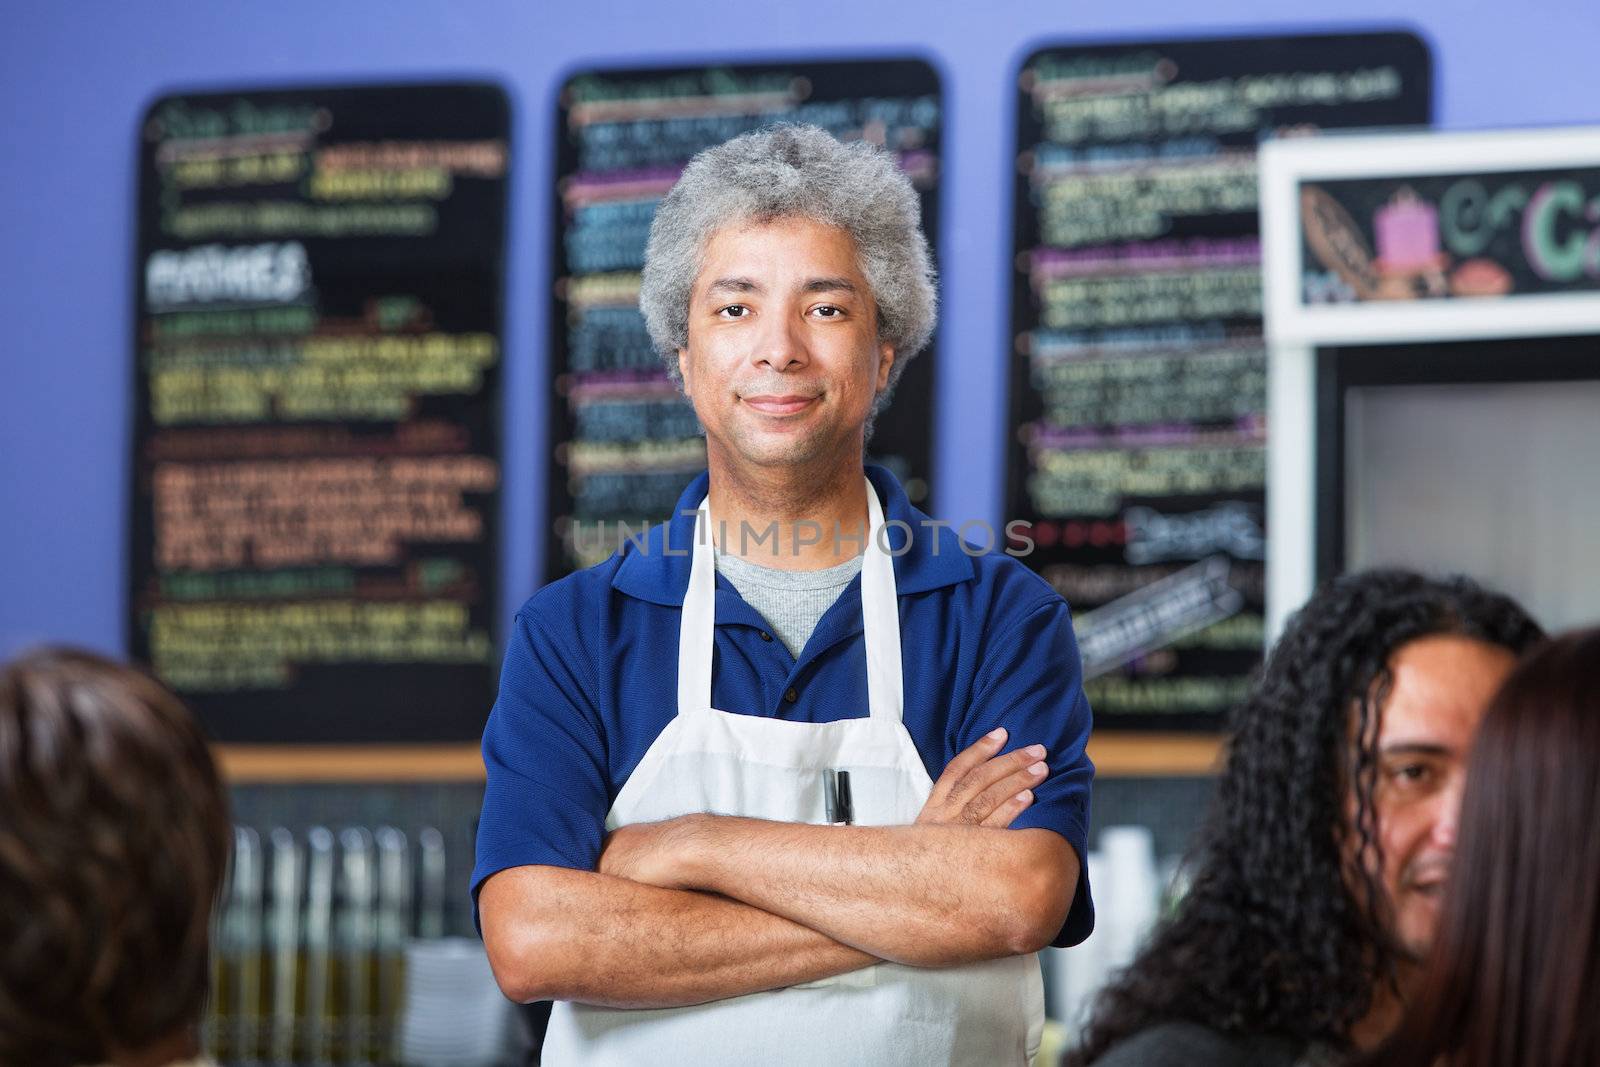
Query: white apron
point(707, 760)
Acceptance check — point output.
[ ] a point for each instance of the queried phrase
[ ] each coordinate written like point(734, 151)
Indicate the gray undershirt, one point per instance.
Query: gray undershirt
point(792, 602)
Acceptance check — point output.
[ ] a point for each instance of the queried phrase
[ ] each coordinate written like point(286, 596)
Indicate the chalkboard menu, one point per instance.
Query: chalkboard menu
point(1439, 236)
point(1137, 451)
point(624, 441)
point(316, 432)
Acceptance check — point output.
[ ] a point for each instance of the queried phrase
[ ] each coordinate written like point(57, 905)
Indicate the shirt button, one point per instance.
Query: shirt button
point(791, 694)
point(765, 636)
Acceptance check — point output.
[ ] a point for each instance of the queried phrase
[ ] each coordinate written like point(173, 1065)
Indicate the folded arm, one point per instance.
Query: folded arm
point(558, 934)
point(553, 933)
point(925, 895)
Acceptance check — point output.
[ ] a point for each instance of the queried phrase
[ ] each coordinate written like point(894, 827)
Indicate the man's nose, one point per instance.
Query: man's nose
point(1447, 817)
point(780, 342)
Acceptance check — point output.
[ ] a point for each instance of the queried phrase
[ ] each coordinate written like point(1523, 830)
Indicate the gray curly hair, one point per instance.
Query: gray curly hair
point(788, 171)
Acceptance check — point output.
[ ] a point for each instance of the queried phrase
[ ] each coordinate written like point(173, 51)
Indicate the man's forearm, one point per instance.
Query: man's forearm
point(926, 895)
point(557, 934)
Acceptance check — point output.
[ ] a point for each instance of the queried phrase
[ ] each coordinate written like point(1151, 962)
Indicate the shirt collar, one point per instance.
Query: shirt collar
point(933, 559)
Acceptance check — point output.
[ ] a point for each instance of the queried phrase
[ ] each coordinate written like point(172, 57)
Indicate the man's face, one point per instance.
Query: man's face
point(1442, 686)
point(783, 361)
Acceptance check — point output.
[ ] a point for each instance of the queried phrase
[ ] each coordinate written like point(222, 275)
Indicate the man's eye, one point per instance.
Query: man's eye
point(829, 311)
point(733, 311)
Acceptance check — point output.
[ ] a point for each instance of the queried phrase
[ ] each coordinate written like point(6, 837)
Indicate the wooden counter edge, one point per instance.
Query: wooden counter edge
point(249, 764)
point(1115, 755)
point(1128, 754)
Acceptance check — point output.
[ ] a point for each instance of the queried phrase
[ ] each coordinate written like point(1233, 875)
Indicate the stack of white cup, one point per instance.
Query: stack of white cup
point(1127, 899)
point(453, 1015)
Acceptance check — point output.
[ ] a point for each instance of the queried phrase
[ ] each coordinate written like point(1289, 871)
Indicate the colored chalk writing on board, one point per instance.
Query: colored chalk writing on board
point(316, 468)
point(624, 442)
point(1137, 450)
point(1438, 236)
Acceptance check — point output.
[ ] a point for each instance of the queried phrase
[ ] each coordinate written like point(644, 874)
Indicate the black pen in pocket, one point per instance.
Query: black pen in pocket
point(836, 794)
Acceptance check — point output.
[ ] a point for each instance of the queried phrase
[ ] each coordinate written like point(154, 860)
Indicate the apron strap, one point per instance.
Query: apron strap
point(697, 629)
point(880, 618)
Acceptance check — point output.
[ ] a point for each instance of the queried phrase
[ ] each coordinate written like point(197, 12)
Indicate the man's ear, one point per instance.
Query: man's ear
point(886, 357)
point(683, 369)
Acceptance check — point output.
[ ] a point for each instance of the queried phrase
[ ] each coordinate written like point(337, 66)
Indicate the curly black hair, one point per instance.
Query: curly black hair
point(1273, 936)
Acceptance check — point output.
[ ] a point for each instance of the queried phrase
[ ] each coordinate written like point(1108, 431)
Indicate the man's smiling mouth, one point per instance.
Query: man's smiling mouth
point(787, 404)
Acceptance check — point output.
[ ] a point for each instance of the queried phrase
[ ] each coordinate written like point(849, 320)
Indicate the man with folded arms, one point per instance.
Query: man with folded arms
point(817, 799)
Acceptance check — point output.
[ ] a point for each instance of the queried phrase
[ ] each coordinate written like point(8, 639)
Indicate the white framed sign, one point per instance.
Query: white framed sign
point(1409, 239)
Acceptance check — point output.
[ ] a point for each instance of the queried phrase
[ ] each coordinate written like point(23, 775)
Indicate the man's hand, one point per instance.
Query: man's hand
point(980, 788)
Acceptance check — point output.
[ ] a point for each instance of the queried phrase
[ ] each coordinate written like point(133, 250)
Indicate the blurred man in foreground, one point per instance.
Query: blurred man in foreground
point(114, 836)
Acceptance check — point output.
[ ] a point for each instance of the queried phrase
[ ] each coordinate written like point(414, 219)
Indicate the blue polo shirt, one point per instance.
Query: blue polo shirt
point(591, 666)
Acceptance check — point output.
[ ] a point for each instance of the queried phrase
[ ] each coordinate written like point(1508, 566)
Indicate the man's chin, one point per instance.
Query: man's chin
point(780, 449)
point(1413, 951)
point(1415, 936)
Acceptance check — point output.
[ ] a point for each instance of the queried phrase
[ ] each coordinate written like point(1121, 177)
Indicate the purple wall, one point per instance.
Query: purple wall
point(75, 84)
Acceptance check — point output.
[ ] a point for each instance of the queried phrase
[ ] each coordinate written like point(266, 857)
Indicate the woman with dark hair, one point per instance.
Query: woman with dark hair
point(1514, 976)
point(1316, 874)
point(114, 835)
